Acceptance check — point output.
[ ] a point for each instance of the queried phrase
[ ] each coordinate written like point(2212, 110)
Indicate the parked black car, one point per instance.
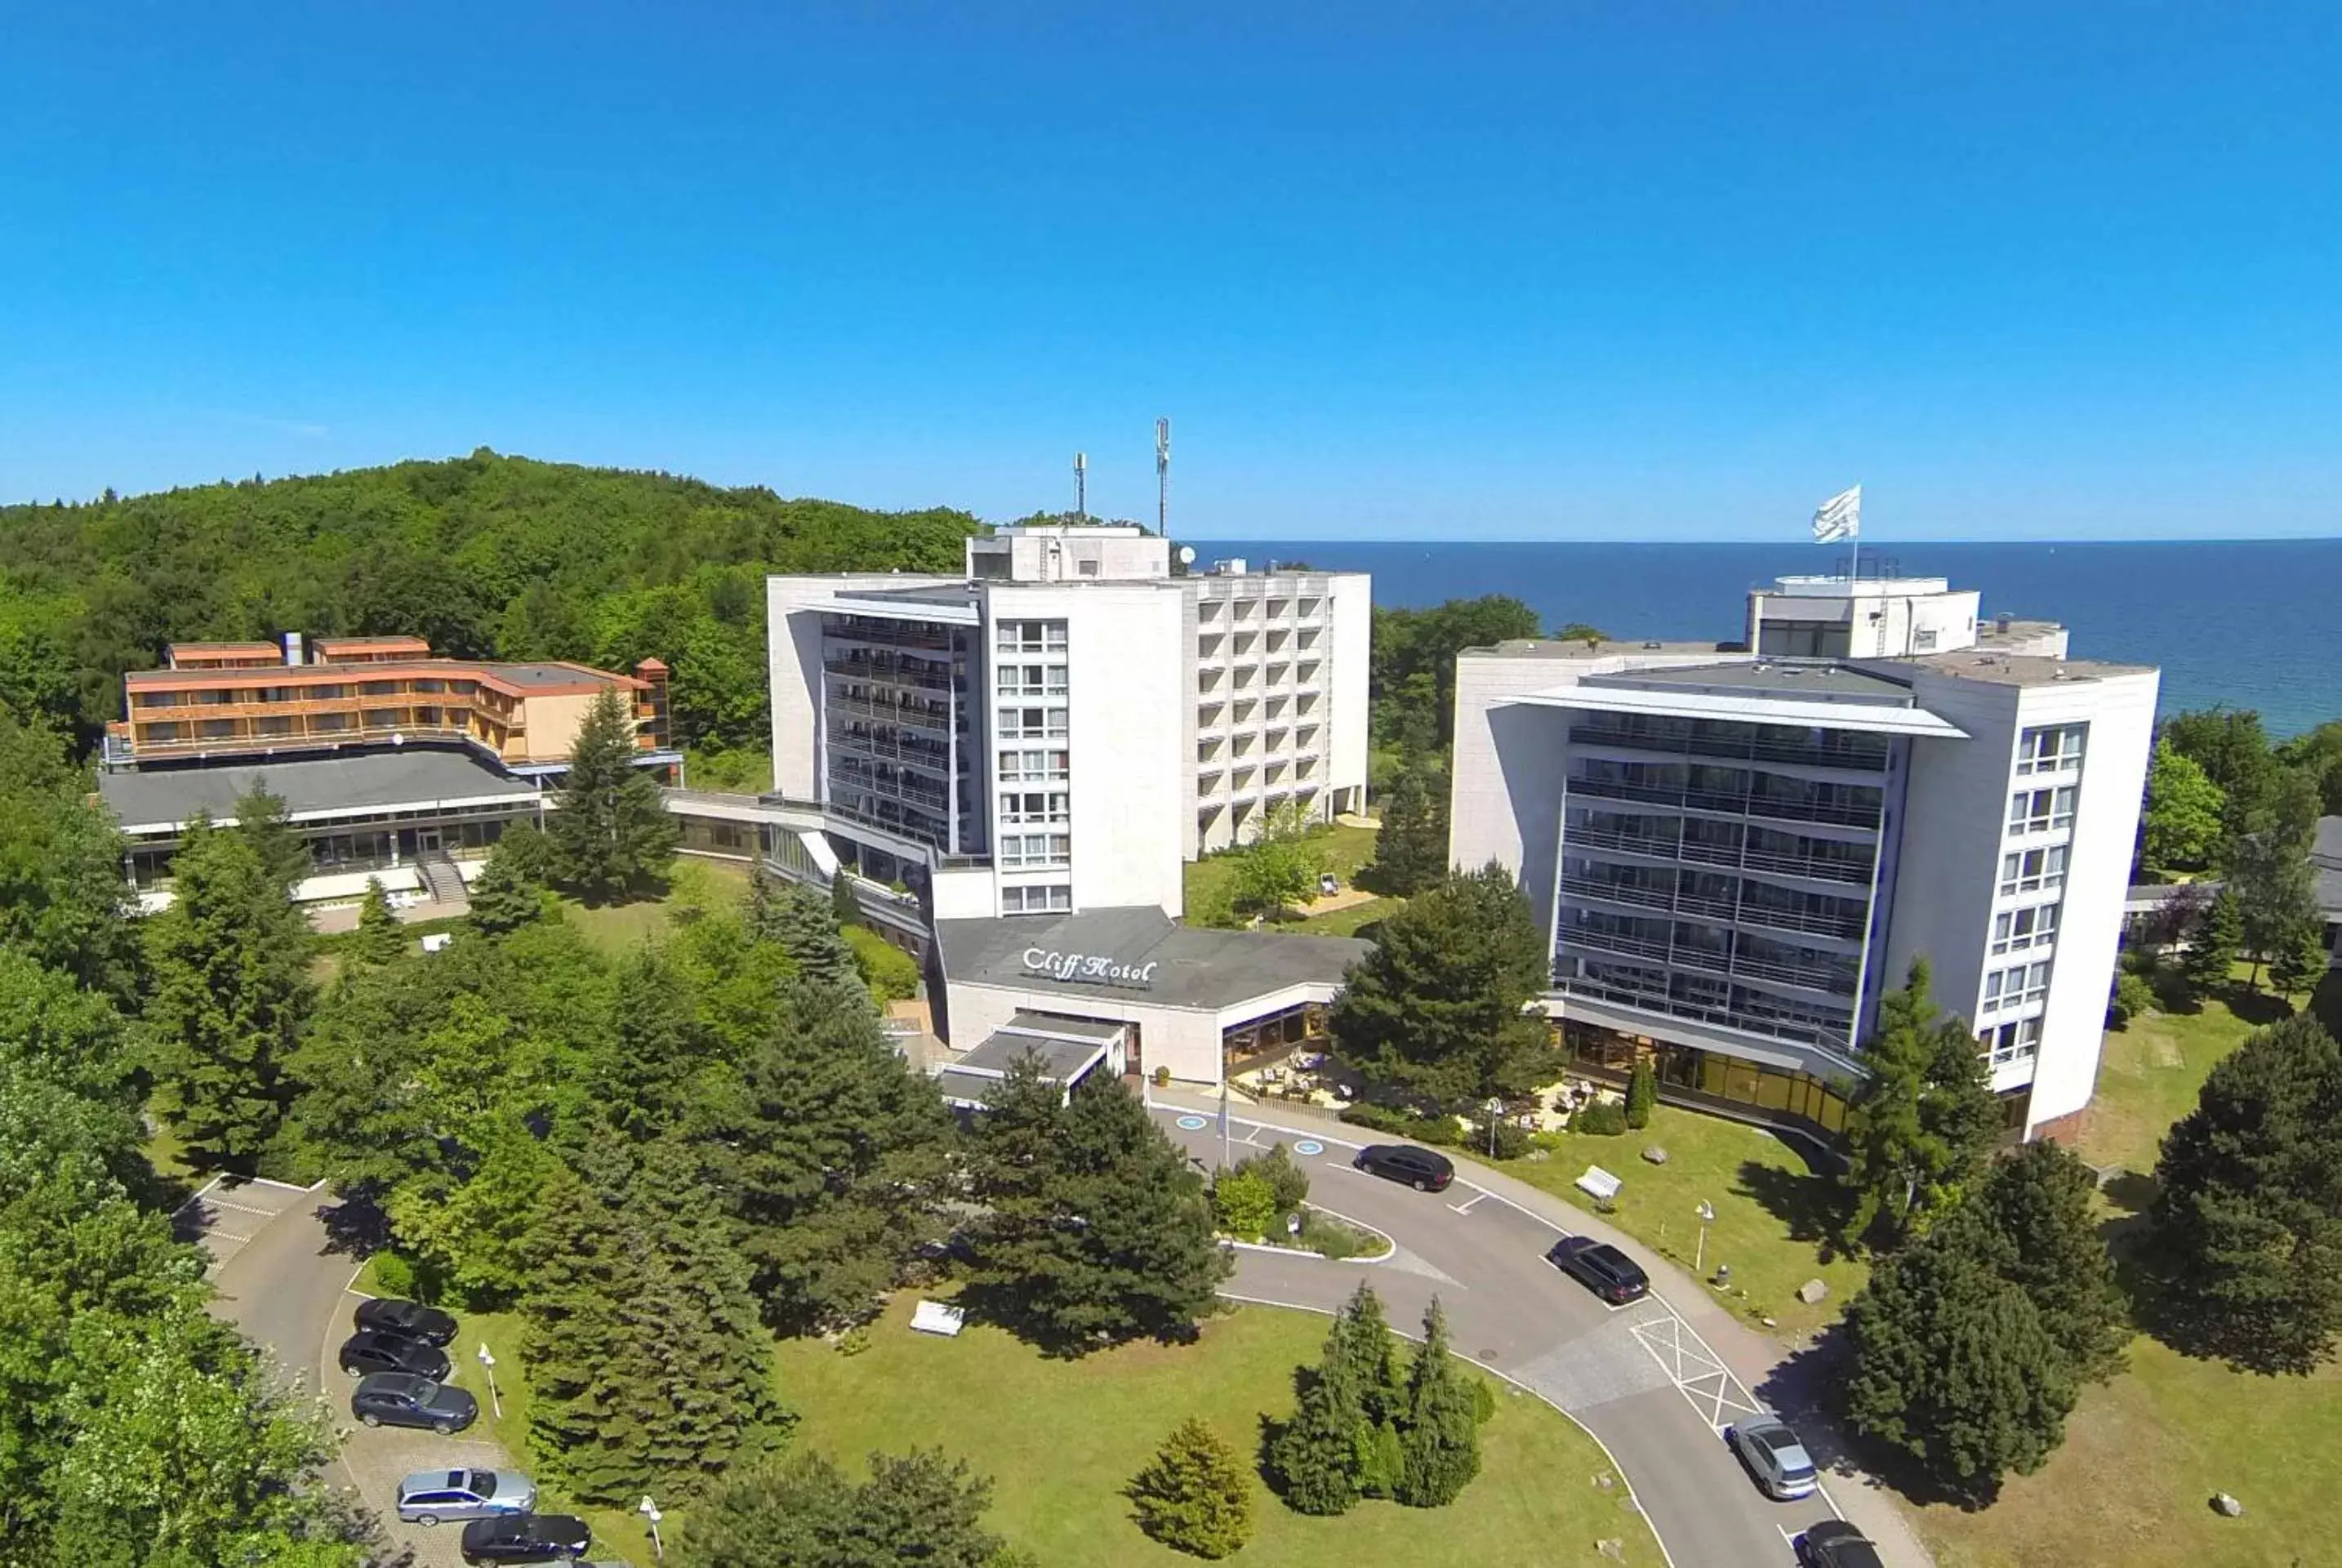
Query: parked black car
point(1835, 1544)
point(526, 1538)
point(370, 1350)
point(1421, 1169)
point(408, 1319)
point(403, 1399)
point(1601, 1268)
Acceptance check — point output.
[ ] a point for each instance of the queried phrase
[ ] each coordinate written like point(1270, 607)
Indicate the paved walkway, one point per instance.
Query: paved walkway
point(1617, 1372)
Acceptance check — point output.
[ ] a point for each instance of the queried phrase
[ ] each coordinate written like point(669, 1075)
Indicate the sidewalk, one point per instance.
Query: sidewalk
point(1752, 1358)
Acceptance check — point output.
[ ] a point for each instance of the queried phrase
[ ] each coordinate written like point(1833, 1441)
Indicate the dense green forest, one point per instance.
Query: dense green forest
point(486, 555)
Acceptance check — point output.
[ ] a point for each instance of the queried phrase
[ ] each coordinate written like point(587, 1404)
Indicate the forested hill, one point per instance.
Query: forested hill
point(485, 556)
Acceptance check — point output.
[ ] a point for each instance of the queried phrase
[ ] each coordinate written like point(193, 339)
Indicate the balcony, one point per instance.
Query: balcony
point(1778, 808)
point(920, 754)
point(891, 675)
point(1847, 753)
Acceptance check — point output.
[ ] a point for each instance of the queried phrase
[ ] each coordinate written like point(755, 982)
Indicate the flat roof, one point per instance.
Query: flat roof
point(541, 679)
point(1184, 967)
point(312, 788)
point(2326, 866)
point(1795, 679)
point(2020, 669)
point(270, 649)
point(1574, 650)
point(1062, 1061)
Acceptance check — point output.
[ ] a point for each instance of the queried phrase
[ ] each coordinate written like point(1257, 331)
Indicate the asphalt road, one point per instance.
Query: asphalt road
point(1638, 1377)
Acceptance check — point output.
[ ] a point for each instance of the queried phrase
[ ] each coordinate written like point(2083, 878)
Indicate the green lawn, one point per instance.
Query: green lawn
point(620, 928)
point(1345, 921)
point(1060, 1438)
point(1769, 1208)
point(1341, 849)
point(2148, 1073)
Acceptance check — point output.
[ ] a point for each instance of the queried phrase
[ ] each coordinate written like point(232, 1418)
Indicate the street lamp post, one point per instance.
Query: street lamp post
point(489, 1362)
point(1706, 1218)
point(649, 1510)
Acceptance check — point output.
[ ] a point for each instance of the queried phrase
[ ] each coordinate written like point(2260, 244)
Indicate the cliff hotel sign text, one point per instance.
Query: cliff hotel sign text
point(1087, 968)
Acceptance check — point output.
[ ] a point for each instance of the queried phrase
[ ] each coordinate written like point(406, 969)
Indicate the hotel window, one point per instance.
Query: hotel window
point(1031, 680)
point(2051, 748)
point(1032, 723)
point(1032, 767)
point(2033, 870)
point(2015, 985)
point(1018, 807)
point(1053, 898)
point(2041, 810)
point(2016, 930)
point(2009, 1042)
point(1018, 849)
point(1030, 637)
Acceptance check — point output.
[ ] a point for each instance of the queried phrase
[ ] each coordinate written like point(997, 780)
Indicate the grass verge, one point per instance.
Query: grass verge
point(621, 928)
point(1059, 1439)
point(1772, 1209)
point(1341, 849)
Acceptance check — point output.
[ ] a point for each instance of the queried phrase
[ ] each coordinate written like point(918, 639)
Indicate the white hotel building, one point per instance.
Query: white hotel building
point(1068, 722)
point(1736, 851)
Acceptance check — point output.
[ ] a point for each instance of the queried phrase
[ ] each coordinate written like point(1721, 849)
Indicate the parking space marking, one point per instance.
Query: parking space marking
point(1698, 1373)
point(1465, 1207)
point(243, 1208)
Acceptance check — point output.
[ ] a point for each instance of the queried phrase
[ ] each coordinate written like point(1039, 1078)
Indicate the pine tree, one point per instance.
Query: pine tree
point(2214, 944)
point(2031, 1222)
point(638, 1071)
point(1439, 1434)
point(1921, 1122)
point(808, 930)
point(844, 908)
point(504, 896)
point(1193, 1496)
point(763, 911)
point(646, 1362)
point(1106, 1236)
point(1411, 849)
point(613, 832)
point(380, 938)
point(2248, 1220)
point(2302, 956)
point(836, 1158)
point(230, 964)
point(1950, 1363)
point(1642, 1094)
point(1335, 1450)
point(1436, 1007)
point(803, 1514)
point(261, 822)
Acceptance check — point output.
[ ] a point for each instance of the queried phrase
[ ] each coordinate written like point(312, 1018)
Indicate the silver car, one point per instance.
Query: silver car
point(1774, 1457)
point(427, 1496)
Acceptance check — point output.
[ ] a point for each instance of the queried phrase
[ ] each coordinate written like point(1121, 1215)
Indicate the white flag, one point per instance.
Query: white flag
point(1840, 517)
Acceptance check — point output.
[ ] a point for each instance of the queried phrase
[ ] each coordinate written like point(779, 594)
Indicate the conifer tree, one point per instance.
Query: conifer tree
point(808, 931)
point(646, 1362)
point(2030, 1221)
point(1642, 1094)
point(2302, 956)
point(1338, 1446)
point(1950, 1364)
point(1411, 849)
point(504, 896)
point(613, 832)
point(1439, 1434)
point(1193, 1496)
point(2247, 1219)
point(844, 908)
point(261, 822)
point(230, 964)
point(915, 1508)
point(380, 938)
point(1101, 1234)
point(2214, 944)
point(1922, 1123)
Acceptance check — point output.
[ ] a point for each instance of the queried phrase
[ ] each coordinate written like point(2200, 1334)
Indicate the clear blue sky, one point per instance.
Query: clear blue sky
point(1550, 269)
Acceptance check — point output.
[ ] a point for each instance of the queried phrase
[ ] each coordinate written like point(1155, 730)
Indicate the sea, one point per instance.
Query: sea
point(2251, 624)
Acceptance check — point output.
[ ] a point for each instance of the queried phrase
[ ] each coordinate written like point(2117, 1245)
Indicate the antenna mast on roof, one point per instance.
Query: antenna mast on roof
point(1082, 485)
point(1163, 477)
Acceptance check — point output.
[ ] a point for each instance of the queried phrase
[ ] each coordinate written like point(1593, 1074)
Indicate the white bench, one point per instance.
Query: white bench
point(1599, 1184)
point(937, 1317)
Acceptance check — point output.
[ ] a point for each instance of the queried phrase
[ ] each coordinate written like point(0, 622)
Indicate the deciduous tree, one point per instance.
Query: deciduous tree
point(803, 1514)
point(2183, 811)
point(1193, 1496)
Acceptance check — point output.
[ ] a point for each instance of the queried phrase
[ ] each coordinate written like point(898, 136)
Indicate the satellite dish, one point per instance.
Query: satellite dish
point(1186, 554)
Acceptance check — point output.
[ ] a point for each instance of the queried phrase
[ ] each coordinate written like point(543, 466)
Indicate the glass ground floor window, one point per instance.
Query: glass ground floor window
point(1712, 1074)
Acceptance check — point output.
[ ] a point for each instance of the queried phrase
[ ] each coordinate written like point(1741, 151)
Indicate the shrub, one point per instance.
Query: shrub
point(854, 1340)
point(1602, 1119)
point(1194, 1495)
point(892, 974)
point(1244, 1204)
point(2132, 997)
point(1163, 1077)
point(1438, 1131)
point(1289, 1181)
point(1331, 1238)
point(1508, 1142)
point(1484, 1401)
point(1551, 1142)
point(395, 1273)
point(1642, 1094)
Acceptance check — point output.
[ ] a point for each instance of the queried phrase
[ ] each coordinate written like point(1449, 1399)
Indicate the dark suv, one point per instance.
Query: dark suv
point(1601, 1268)
point(370, 1351)
point(1419, 1168)
point(526, 1538)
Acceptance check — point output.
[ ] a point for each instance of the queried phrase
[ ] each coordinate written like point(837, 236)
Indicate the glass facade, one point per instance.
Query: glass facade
point(1694, 1074)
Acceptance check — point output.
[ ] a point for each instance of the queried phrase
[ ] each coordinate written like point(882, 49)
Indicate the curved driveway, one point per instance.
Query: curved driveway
point(1641, 1378)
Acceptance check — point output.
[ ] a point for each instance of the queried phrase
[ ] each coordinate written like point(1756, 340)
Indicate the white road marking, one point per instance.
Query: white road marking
point(1699, 1373)
point(1787, 1538)
point(225, 1236)
point(1465, 1207)
point(245, 1208)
